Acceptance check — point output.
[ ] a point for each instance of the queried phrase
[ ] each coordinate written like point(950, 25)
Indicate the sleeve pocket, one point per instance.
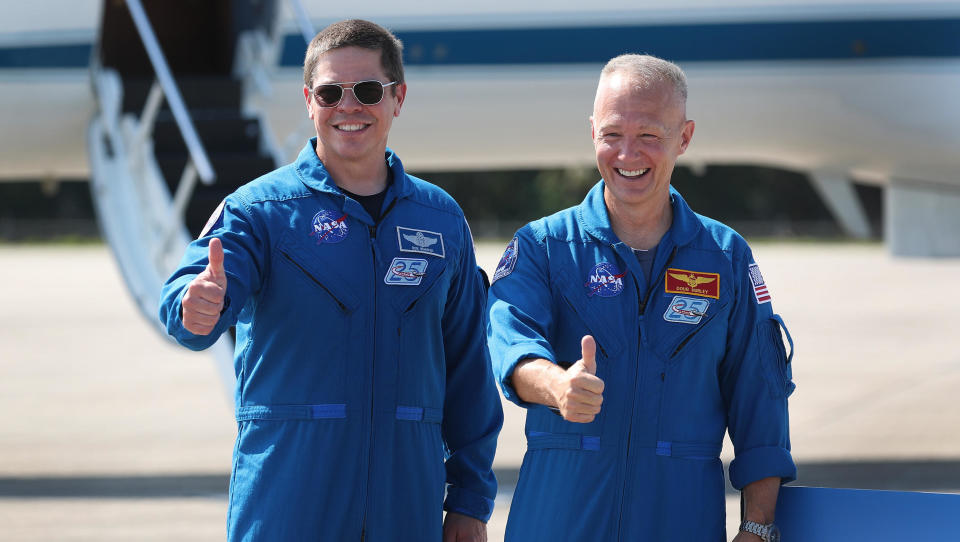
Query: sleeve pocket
point(777, 369)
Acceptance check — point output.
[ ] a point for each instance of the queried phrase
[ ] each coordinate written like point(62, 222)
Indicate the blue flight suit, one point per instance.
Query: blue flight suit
point(365, 399)
point(684, 355)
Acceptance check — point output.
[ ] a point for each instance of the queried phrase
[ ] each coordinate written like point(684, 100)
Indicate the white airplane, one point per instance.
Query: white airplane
point(851, 90)
point(861, 90)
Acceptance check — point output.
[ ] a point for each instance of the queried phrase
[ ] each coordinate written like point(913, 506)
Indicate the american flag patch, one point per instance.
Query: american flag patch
point(759, 287)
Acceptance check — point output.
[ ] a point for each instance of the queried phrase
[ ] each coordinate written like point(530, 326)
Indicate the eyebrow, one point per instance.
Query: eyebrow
point(617, 126)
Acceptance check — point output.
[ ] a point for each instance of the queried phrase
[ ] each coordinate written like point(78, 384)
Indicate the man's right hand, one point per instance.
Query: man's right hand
point(577, 391)
point(203, 301)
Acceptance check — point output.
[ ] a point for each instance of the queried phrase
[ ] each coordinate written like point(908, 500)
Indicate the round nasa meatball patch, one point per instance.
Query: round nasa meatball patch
point(605, 280)
point(329, 227)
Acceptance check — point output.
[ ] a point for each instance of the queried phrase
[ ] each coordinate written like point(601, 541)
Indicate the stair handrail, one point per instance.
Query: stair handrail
point(180, 114)
point(303, 20)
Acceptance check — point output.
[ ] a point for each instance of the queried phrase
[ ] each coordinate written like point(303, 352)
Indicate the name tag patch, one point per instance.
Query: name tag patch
point(686, 310)
point(683, 281)
point(406, 271)
point(605, 280)
point(422, 241)
point(329, 227)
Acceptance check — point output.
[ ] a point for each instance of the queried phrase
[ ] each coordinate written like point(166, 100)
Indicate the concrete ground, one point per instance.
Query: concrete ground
point(112, 433)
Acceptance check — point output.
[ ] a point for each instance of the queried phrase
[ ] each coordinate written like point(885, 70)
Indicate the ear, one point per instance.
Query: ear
point(308, 99)
point(399, 96)
point(593, 128)
point(686, 135)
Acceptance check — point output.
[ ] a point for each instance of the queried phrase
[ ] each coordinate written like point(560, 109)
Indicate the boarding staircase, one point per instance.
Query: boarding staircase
point(175, 130)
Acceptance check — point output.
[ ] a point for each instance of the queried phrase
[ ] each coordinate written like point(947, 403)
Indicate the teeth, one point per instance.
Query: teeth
point(632, 172)
point(350, 127)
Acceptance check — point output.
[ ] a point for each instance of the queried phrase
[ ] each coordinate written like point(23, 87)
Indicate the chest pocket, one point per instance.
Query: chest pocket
point(603, 325)
point(309, 342)
point(420, 359)
point(681, 324)
point(299, 258)
point(407, 298)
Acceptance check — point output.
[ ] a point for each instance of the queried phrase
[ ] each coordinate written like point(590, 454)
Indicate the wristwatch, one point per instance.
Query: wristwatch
point(768, 532)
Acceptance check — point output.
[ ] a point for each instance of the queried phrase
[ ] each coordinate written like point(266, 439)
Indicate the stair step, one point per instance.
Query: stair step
point(198, 92)
point(223, 132)
point(233, 170)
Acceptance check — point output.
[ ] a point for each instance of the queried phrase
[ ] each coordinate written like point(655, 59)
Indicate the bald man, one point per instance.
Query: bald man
point(636, 333)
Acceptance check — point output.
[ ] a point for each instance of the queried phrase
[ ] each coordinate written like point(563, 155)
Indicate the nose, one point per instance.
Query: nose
point(349, 101)
point(630, 147)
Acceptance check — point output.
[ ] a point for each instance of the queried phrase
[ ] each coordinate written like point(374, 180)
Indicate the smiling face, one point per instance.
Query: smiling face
point(351, 134)
point(638, 133)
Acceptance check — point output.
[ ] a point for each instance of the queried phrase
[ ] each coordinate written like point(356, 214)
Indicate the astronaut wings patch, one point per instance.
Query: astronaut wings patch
point(422, 241)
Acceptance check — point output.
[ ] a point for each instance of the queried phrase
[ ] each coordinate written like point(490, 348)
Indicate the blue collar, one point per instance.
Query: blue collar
point(313, 174)
point(595, 219)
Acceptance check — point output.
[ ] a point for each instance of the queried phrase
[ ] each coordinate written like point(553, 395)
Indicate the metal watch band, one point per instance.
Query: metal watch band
point(756, 528)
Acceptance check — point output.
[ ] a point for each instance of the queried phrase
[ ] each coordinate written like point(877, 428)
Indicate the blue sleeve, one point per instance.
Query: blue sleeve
point(244, 254)
point(472, 414)
point(520, 310)
point(755, 381)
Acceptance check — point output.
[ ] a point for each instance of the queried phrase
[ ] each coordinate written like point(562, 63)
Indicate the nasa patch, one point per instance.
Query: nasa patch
point(406, 271)
point(215, 220)
point(605, 280)
point(686, 310)
point(422, 241)
point(507, 262)
point(329, 227)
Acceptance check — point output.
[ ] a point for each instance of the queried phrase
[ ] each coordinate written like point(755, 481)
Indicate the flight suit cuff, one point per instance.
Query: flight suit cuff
point(760, 463)
point(468, 503)
point(516, 354)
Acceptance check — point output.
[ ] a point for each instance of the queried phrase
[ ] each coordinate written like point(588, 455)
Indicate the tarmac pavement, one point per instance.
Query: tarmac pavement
point(111, 432)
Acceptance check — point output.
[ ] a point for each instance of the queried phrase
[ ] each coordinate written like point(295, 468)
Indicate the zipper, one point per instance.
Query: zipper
point(633, 406)
point(314, 279)
point(653, 283)
point(641, 309)
point(372, 230)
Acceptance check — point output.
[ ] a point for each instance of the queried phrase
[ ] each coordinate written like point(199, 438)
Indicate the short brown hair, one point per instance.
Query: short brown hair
point(356, 33)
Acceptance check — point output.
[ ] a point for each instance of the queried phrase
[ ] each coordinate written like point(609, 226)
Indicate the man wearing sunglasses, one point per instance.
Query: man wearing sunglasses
point(365, 398)
point(636, 333)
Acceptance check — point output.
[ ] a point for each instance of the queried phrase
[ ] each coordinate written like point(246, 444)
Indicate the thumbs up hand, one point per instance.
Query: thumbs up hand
point(578, 392)
point(203, 301)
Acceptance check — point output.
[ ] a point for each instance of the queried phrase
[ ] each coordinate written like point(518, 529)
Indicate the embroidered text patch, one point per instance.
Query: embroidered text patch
point(682, 281)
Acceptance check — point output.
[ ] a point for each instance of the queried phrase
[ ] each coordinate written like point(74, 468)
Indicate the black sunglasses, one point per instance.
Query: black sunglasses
point(366, 92)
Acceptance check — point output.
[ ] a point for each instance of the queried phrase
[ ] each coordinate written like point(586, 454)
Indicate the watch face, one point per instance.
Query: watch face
point(773, 534)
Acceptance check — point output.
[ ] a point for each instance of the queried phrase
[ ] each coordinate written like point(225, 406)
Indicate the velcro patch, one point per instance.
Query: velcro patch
point(683, 281)
point(422, 241)
point(406, 271)
point(329, 227)
point(605, 280)
point(759, 286)
point(508, 261)
point(686, 310)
